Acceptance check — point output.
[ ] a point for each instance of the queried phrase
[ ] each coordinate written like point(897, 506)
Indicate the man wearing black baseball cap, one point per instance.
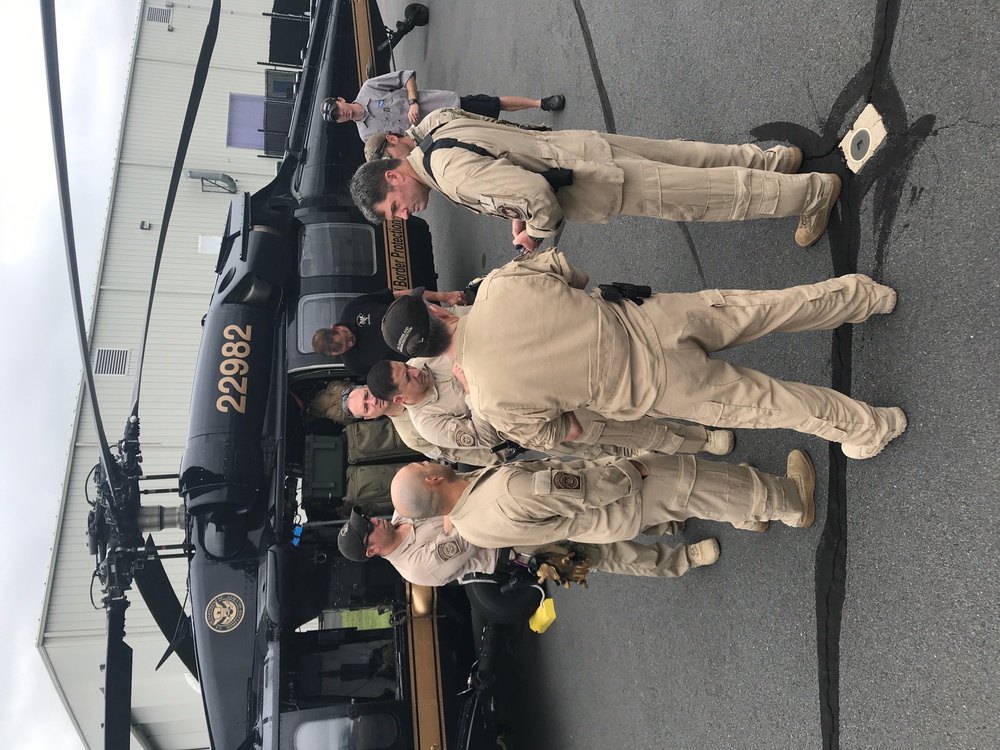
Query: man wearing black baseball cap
point(626, 361)
point(355, 337)
point(353, 538)
point(430, 552)
point(406, 325)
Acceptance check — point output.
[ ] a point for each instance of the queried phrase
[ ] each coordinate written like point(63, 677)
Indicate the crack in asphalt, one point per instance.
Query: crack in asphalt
point(965, 121)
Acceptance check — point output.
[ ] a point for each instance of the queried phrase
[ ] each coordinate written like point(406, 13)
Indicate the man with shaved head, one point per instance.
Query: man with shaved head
point(602, 501)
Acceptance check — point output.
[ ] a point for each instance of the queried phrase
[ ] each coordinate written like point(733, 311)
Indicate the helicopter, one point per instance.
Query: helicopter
point(384, 663)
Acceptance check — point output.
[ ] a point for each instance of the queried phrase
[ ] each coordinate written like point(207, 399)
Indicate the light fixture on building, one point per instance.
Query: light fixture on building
point(212, 182)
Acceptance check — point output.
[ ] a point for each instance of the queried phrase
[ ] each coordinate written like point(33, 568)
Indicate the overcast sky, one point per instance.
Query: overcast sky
point(40, 369)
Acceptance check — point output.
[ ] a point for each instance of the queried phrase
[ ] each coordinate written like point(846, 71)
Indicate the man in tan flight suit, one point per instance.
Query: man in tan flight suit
point(358, 402)
point(538, 180)
point(626, 361)
point(430, 552)
point(602, 501)
point(438, 408)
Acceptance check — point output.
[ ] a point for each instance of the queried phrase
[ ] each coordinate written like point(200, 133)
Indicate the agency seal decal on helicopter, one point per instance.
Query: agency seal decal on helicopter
point(224, 612)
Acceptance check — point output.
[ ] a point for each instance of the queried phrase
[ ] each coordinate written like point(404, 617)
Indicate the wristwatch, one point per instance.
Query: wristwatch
point(413, 101)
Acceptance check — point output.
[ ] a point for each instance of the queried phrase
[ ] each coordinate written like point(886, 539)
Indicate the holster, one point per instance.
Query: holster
point(558, 177)
point(619, 290)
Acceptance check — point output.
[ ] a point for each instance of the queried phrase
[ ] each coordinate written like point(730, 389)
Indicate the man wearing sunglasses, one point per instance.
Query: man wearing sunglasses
point(393, 102)
point(430, 552)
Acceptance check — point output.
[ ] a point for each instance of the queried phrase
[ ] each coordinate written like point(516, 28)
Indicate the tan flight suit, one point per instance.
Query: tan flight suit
point(612, 174)
point(443, 418)
point(409, 435)
point(431, 556)
point(602, 501)
point(627, 361)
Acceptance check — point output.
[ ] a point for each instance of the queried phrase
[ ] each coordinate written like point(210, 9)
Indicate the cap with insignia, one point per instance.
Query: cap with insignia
point(353, 538)
point(407, 324)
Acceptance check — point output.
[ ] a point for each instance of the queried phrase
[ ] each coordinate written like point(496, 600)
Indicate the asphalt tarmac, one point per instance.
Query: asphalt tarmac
point(876, 628)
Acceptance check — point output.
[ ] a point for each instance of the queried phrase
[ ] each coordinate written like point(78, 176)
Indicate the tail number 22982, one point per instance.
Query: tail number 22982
point(234, 368)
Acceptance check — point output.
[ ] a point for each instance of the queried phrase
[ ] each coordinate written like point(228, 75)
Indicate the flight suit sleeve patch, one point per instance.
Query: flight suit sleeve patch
point(465, 439)
point(560, 483)
point(505, 207)
point(563, 480)
point(448, 550)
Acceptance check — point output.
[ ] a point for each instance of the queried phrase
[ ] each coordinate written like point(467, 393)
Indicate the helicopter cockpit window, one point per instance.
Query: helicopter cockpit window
point(365, 732)
point(330, 249)
point(318, 311)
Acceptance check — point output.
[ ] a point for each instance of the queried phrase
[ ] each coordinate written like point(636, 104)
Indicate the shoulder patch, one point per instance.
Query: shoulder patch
point(564, 481)
point(448, 550)
point(465, 439)
point(511, 212)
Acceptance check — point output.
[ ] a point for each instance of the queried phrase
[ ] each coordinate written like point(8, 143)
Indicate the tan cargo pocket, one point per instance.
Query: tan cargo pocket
point(713, 297)
point(566, 484)
point(824, 429)
point(749, 298)
point(818, 291)
point(716, 414)
point(515, 209)
point(768, 192)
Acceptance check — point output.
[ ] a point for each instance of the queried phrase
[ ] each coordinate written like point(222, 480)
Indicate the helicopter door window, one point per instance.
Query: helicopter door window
point(364, 732)
point(330, 249)
point(318, 311)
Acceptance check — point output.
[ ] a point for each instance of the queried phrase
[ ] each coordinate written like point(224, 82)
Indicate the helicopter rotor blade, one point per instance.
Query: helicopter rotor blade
point(66, 211)
point(158, 593)
point(194, 101)
point(117, 680)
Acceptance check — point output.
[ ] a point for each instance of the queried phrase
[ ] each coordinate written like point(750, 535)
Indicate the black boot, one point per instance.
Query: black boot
point(554, 103)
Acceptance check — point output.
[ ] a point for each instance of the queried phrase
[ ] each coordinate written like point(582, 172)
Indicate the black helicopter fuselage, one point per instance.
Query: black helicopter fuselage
point(375, 663)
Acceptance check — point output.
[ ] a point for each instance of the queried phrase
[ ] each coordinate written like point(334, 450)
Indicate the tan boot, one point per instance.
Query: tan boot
point(800, 470)
point(897, 425)
point(703, 553)
point(720, 442)
point(812, 226)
